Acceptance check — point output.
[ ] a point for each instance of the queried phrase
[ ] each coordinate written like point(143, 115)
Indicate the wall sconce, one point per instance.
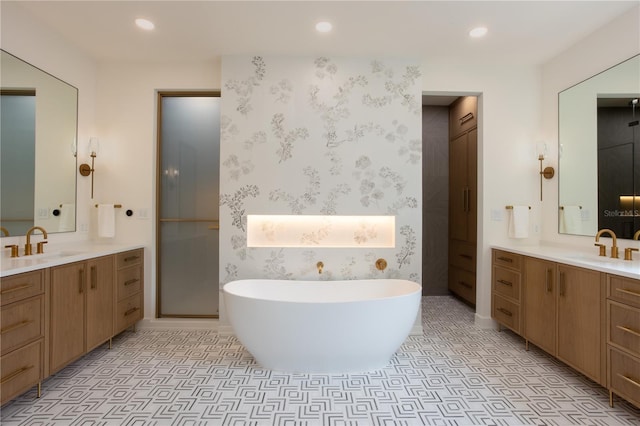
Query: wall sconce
point(85, 169)
point(548, 172)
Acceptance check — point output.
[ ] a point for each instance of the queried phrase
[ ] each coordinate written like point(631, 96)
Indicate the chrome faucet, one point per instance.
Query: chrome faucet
point(28, 250)
point(614, 246)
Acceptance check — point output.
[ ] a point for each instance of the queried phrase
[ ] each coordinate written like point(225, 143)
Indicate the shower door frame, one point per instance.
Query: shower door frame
point(215, 224)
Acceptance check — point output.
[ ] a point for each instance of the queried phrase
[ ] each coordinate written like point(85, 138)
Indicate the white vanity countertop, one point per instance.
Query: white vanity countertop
point(581, 257)
point(58, 254)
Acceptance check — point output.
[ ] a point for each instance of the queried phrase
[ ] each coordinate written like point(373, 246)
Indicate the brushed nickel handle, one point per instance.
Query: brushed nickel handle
point(505, 282)
point(15, 326)
point(16, 288)
point(505, 259)
point(131, 281)
point(506, 312)
point(629, 330)
point(15, 374)
point(130, 311)
point(94, 277)
point(627, 291)
point(629, 379)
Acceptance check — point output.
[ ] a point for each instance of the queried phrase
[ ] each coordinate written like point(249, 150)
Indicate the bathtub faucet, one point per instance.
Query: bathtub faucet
point(319, 265)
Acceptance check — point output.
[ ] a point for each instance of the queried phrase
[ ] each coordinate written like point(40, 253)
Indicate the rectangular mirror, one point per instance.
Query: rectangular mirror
point(38, 114)
point(599, 153)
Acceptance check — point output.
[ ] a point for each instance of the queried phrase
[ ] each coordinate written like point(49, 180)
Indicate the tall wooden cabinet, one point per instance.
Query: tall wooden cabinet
point(463, 139)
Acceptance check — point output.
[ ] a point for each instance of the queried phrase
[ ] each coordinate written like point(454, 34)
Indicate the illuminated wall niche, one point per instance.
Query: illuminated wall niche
point(320, 231)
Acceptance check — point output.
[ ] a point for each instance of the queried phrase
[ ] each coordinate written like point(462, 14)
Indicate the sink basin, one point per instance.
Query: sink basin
point(43, 257)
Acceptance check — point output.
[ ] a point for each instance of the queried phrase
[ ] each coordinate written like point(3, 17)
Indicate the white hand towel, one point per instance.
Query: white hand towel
point(571, 220)
point(67, 218)
point(106, 221)
point(519, 222)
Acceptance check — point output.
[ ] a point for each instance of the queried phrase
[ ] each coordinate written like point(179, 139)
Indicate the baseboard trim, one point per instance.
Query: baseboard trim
point(181, 323)
point(484, 322)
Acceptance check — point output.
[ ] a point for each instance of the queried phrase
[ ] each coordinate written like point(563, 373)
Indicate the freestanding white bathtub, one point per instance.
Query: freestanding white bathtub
point(322, 326)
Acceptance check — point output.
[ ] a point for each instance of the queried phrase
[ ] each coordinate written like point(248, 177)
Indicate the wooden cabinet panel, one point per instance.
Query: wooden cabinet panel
point(624, 376)
point(463, 283)
point(67, 305)
point(129, 312)
point(458, 188)
point(624, 327)
point(129, 258)
point(580, 319)
point(129, 282)
point(506, 282)
point(462, 255)
point(100, 300)
point(624, 290)
point(20, 370)
point(539, 296)
point(506, 312)
point(21, 286)
point(21, 323)
point(463, 115)
point(507, 260)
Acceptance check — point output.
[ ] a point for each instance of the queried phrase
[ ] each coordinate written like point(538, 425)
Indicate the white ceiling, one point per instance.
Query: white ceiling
point(529, 32)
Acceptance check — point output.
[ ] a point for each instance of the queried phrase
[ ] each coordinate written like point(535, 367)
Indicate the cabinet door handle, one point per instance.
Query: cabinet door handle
point(563, 285)
point(466, 256)
point(94, 277)
point(130, 311)
point(130, 258)
point(505, 282)
point(81, 281)
point(16, 288)
point(468, 199)
point(627, 291)
point(15, 326)
point(504, 311)
point(629, 330)
point(505, 259)
point(549, 280)
point(15, 374)
point(131, 281)
point(464, 284)
point(629, 379)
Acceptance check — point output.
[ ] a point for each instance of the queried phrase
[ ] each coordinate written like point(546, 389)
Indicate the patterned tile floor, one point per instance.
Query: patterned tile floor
point(455, 374)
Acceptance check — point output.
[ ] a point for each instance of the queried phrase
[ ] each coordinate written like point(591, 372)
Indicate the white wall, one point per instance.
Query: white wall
point(609, 45)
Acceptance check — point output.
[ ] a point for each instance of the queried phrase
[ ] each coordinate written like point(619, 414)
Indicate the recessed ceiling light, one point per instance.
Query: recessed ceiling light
point(145, 24)
point(323, 27)
point(478, 32)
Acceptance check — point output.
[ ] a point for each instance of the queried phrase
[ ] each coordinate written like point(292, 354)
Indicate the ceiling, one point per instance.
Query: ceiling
point(527, 32)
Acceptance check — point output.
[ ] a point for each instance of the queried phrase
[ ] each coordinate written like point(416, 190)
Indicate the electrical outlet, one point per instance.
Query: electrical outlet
point(496, 215)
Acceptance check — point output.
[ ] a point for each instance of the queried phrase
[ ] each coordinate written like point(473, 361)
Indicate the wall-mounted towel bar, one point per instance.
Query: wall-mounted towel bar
point(115, 206)
point(511, 207)
point(562, 207)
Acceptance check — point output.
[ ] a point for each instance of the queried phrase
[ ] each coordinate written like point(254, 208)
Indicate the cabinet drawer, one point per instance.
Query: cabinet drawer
point(624, 376)
point(506, 312)
point(129, 312)
point(129, 258)
point(463, 283)
point(21, 323)
point(462, 255)
point(624, 290)
point(129, 282)
point(624, 327)
point(507, 260)
point(20, 370)
point(21, 286)
point(506, 282)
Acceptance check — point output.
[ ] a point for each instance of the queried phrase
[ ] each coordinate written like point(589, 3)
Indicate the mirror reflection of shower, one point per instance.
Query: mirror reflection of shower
point(619, 164)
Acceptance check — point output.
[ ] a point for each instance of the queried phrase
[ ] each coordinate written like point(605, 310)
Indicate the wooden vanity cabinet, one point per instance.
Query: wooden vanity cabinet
point(540, 304)
point(22, 333)
point(506, 289)
point(623, 338)
point(81, 309)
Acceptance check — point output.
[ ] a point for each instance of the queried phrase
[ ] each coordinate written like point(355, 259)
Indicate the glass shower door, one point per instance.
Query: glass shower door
point(188, 194)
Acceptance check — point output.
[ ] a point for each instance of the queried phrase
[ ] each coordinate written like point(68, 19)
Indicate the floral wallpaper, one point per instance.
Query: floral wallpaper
point(320, 136)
